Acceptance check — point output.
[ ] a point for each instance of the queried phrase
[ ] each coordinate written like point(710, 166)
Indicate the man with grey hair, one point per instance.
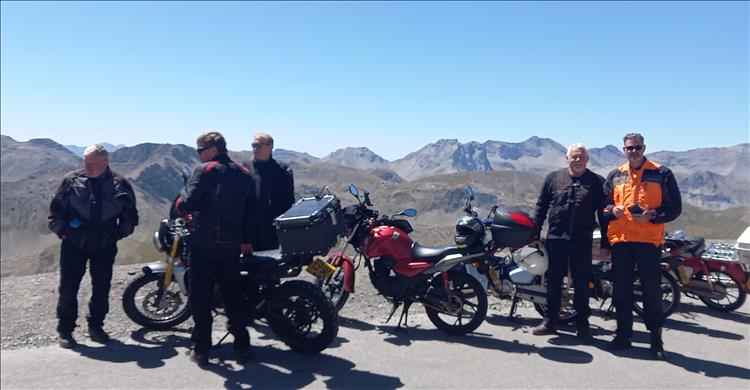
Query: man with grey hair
point(572, 196)
point(91, 210)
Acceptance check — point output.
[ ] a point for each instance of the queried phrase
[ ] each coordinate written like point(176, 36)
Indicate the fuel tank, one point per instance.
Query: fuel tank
point(388, 241)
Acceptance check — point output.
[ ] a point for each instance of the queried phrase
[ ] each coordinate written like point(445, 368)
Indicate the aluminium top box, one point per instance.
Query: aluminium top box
point(311, 226)
point(743, 246)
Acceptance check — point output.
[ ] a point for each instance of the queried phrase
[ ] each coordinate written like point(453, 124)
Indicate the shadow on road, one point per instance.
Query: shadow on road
point(164, 347)
point(274, 368)
point(407, 336)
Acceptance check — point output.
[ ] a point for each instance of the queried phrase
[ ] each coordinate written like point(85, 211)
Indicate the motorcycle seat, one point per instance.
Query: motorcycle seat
point(261, 261)
point(432, 254)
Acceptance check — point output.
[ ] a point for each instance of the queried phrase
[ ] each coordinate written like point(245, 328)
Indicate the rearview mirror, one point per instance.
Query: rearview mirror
point(470, 192)
point(353, 190)
point(409, 212)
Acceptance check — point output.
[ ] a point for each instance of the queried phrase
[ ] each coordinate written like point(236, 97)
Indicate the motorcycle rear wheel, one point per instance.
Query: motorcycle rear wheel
point(140, 301)
point(670, 296)
point(334, 288)
point(302, 317)
point(735, 295)
point(471, 299)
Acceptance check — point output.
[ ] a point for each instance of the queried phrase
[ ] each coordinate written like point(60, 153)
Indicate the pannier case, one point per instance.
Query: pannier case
point(512, 228)
point(311, 226)
point(743, 246)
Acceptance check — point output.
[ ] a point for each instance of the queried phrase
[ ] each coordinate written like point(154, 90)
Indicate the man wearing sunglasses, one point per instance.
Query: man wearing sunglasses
point(222, 195)
point(274, 190)
point(642, 196)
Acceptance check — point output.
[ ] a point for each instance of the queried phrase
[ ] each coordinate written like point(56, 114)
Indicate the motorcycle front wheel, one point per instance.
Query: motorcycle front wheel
point(734, 295)
point(302, 317)
point(670, 295)
point(333, 288)
point(466, 307)
point(146, 302)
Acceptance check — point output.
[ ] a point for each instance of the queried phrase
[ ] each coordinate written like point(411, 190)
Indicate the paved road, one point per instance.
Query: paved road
point(707, 350)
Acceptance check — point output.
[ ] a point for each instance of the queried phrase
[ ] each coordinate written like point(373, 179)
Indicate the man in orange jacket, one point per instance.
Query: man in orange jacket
point(642, 196)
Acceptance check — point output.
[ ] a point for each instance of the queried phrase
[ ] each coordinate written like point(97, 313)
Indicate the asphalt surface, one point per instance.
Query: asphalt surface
point(707, 349)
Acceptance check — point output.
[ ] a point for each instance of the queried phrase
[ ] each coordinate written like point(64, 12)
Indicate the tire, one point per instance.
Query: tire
point(139, 301)
point(466, 292)
point(735, 295)
point(302, 317)
point(334, 289)
point(670, 296)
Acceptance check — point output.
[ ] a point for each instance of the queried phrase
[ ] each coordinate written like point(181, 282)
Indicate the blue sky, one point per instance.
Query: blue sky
point(391, 76)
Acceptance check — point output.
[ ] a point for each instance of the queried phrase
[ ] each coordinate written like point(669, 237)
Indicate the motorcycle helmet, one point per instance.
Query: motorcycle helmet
point(469, 232)
point(532, 259)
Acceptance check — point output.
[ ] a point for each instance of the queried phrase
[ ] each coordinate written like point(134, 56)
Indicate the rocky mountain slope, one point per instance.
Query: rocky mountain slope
point(32, 170)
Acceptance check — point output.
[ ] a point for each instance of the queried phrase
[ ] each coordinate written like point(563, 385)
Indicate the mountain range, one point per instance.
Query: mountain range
point(714, 183)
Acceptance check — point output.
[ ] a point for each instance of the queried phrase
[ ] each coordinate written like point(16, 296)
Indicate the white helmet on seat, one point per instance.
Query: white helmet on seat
point(532, 259)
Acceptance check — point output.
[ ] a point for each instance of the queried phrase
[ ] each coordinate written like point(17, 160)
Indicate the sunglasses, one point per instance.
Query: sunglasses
point(257, 145)
point(202, 148)
point(634, 147)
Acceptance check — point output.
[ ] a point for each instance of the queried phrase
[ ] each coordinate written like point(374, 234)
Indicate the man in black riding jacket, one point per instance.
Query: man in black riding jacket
point(91, 210)
point(274, 190)
point(572, 196)
point(221, 195)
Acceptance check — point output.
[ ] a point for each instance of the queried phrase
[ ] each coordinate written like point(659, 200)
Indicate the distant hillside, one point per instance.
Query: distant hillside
point(501, 173)
point(78, 150)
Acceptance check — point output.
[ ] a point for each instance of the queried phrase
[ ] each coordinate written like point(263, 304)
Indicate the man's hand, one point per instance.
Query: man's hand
point(246, 249)
point(535, 244)
point(618, 211)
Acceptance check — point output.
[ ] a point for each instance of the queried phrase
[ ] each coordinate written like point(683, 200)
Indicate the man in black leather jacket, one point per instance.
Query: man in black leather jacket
point(274, 190)
point(572, 196)
point(91, 210)
point(221, 195)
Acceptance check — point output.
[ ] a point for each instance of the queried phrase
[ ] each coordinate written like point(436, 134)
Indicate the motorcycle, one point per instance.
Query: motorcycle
point(521, 274)
point(713, 275)
point(404, 271)
point(296, 311)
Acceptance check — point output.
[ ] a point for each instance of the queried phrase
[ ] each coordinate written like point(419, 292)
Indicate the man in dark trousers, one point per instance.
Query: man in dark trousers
point(274, 184)
point(641, 197)
point(91, 210)
point(221, 195)
point(573, 196)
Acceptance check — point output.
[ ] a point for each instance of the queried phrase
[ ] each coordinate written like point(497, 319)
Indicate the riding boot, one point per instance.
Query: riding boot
point(657, 345)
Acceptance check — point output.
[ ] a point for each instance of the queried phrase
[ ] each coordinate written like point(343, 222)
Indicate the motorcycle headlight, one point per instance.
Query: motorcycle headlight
point(157, 242)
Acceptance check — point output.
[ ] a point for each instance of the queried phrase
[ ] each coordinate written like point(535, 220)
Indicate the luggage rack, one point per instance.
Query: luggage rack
point(721, 251)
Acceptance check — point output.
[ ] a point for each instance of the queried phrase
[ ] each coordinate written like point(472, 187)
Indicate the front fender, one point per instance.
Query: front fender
point(160, 267)
point(347, 266)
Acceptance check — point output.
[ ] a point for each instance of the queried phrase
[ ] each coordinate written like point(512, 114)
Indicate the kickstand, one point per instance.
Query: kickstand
point(216, 314)
point(404, 315)
point(396, 304)
point(514, 302)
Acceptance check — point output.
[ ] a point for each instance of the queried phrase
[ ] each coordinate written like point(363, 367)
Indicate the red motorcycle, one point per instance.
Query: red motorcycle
point(714, 276)
point(404, 271)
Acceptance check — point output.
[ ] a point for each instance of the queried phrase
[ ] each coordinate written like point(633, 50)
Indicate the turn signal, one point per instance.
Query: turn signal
point(475, 264)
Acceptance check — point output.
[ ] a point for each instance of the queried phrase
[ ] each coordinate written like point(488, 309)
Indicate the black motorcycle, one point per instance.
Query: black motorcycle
point(297, 311)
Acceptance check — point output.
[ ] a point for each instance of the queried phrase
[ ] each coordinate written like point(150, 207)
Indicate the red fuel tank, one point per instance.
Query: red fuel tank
point(388, 241)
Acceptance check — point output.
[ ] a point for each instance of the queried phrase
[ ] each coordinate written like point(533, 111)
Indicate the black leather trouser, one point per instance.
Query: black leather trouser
point(209, 266)
point(72, 268)
point(575, 254)
point(625, 257)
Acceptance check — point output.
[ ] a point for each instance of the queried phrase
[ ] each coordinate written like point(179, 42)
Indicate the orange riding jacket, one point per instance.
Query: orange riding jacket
point(653, 186)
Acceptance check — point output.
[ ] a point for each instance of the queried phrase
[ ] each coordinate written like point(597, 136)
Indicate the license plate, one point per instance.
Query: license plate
point(320, 268)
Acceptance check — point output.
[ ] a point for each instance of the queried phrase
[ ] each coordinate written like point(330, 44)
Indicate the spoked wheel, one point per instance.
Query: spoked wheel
point(147, 303)
point(302, 317)
point(733, 297)
point(463, 310)
point(333, 288)
point(670, 295)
